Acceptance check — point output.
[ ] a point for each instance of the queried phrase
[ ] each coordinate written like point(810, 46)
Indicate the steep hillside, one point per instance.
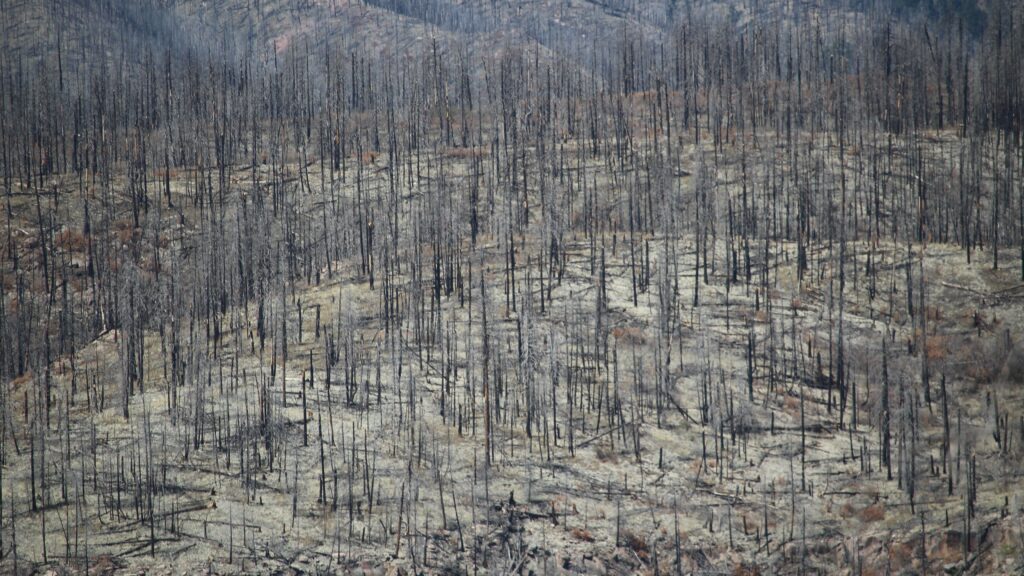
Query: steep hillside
point(490, 287)
point(78, 35)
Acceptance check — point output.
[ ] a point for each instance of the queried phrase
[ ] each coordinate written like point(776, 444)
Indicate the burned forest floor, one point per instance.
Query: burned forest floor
point(568, 388)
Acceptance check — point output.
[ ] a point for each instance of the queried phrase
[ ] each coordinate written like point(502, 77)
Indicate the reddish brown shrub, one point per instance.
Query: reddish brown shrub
point(582, 535)
point(606, 454)
point(629, 334)
point(872, 513)
point(637, 544)
point(935, 347)
point(72, 240)
point(465, 153)
point(746, 570)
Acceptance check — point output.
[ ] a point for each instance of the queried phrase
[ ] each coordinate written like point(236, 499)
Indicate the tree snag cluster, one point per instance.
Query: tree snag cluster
point(736, 288)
